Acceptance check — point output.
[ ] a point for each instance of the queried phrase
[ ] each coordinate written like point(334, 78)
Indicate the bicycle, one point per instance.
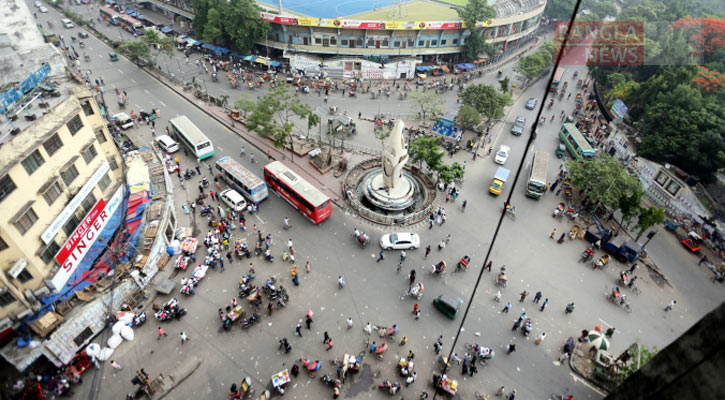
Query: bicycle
point(636, 290)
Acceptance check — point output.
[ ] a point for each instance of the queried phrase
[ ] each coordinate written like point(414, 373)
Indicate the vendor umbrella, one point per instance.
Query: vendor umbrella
point(598, 340)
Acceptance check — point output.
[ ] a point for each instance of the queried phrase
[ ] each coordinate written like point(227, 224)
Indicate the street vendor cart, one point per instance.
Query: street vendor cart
point(189, 245)
point(444, 385)
point(280, 380)
point(405, 366)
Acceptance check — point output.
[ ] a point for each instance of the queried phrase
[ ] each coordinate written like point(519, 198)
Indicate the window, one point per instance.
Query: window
point(396, 44)
point(24, 276)
point(104, 182)
point(52, 193)
point(86, 334)
point(318, 41)
point(6, 298)
point(434, 43)
point(333, 40)
point(49, 252)
point(71, 224)
point(343, 42)
point(69, 174)
point(358, 42)
point(53, 144)
point(6, 187)
point(385, 43)
point(89, 202)
point(371, 42)
point(410, 42)
point(89, 153)
point(33, 162)
point(112, 162)
point(26, 221)
point(75, 124)
point(100, 136)
point(443, 42)
point(455, 42)
point(87, 108)
point(3, 245)
point(421, 43)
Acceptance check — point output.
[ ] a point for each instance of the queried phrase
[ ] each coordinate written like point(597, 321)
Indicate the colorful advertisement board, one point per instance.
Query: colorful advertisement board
point(73, 239)
point(358, 24)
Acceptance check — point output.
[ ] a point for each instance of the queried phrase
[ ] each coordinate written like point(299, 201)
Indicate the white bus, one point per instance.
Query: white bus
point(536, 186)
point(242, 180)
point(191, 137)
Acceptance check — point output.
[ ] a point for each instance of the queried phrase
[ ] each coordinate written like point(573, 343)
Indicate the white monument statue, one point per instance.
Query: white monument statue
point(395, 155)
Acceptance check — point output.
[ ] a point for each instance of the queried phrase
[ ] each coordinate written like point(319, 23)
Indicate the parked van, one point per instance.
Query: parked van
point(67, 23)
point(167, 144)
point(123, 120)
point(234, 200)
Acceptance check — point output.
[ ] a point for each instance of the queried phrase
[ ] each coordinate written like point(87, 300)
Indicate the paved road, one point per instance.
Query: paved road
point(372, 294)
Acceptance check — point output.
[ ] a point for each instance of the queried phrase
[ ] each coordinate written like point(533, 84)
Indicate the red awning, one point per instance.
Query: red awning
point(444, 68)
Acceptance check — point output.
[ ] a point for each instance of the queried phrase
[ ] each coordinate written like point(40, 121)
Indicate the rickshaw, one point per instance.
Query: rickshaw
point(573, 232)
point(112, 56)
point(282, 378)
point(463, 264)
point(579, 101)
point(559, 210)
point(444, 385)
point(560, 150)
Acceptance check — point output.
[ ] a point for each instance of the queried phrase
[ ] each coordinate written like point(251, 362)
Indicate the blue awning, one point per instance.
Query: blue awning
point(460, 66)
point(221, 50)
point(275, 64)
point(236, 55)
point(192, 41)
point(166, 29)
point(469, 66)
point(207, 46)
point(423, 68)
point(249, 58)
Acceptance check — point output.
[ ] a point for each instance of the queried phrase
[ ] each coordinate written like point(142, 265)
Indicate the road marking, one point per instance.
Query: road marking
point(583, 382)
point(132, 80)
point(162, 103)
point(260, 219)
point(605, 322)
point(147, 92)
point(120, 71)
point(137, 106)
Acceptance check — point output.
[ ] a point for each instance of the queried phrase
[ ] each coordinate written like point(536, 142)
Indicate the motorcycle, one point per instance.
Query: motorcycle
point(587, 254)
point(187, 286)
point(438, 269)
point(527, 327)
point(361, 238)
point(463, 264)
point(248, 322)
point(551, 103)
point(139, 319)
point(170, 311)
point(268, 256)
point(415, 291)
point(205, 182)
point(569, 308)
point(391, 388)
point(330, 381)
point(601, 262)
point(247, 290)
point(188, 174)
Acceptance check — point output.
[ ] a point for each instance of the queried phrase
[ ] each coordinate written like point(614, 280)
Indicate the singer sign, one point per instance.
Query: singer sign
point(77, 235)
point(83, 242)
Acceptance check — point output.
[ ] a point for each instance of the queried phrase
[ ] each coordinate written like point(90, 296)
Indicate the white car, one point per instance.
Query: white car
point(38, 4)
point(400, 241)
point(43, 9)
point(502, 155)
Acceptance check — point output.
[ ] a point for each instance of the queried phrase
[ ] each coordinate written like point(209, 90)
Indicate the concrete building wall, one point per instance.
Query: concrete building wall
point(41, 191)
point(691, 367)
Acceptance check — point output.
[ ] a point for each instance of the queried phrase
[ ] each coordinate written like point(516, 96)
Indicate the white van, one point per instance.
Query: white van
point(234, 200)
point(167, 144)
point(123, 120)
point(67, 23)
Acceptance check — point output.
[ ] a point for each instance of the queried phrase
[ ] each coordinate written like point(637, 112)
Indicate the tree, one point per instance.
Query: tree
point(214, 28)
point(649, 217)
point(630, 206)
point(135, 50)
point(505, 85)
point(474, 12)
point(278, 104)
point(224, 99)
point(447, 173)
point(559, 9)
point(312, 121)
point(486, 100)
point(534, 65)
point(425, 149)
point(638, 356)
point(158, 44)
point(201, 9)
point(242, 24)
point(426, 103)
point(382, 133)
point(605, 181)
point(468, 117)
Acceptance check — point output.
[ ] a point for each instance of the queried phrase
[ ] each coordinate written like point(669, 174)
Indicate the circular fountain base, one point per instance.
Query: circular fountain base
point(394, 199)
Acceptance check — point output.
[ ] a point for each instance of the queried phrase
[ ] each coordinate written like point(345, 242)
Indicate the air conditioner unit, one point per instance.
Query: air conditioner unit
point(42, 292)
point(29, 295)
point(5, 323)
point(24, 314)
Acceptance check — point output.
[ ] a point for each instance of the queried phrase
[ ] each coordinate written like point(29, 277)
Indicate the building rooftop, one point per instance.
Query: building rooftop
point(23, 54)
point(416, 10)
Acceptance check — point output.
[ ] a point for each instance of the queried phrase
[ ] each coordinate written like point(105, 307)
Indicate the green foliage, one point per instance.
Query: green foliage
point(505, 85)
point(559, 9)
point(486, 100)
point(382, 133)
point(447, 173)
point(535, 65)
point(630, 205)
point(605, 180)
point(312, 121)
point(270, 116)
point(234, 23)
point(643, 354)
point(427, 103)
point(136, 50)
point(472, 13)
point(649, 217)
point(468, 117)
point(158, 44)
point(425, 149)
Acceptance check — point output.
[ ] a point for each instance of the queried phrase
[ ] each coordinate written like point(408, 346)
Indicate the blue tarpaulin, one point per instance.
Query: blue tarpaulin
point(460, 66)
point(275, 64)
point(207, 46)
point(236, 55)
point(221, 50)
point(166, 29)
point(423, 68)
point(249, 58)
point(469, 65)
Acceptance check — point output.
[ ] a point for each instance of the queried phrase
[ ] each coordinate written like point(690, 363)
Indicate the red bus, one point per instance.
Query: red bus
point(109, 15)
point(298, 192)
point(130, 24)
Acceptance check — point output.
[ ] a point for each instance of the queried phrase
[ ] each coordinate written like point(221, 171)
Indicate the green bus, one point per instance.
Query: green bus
point(536, 186)
point(576, 143)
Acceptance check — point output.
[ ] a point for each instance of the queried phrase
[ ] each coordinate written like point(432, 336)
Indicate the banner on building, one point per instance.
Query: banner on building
point(73, 239)
point(358, 24)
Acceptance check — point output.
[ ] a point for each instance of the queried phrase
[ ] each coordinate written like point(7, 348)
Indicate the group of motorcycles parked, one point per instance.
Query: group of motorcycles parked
point(171, 310)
